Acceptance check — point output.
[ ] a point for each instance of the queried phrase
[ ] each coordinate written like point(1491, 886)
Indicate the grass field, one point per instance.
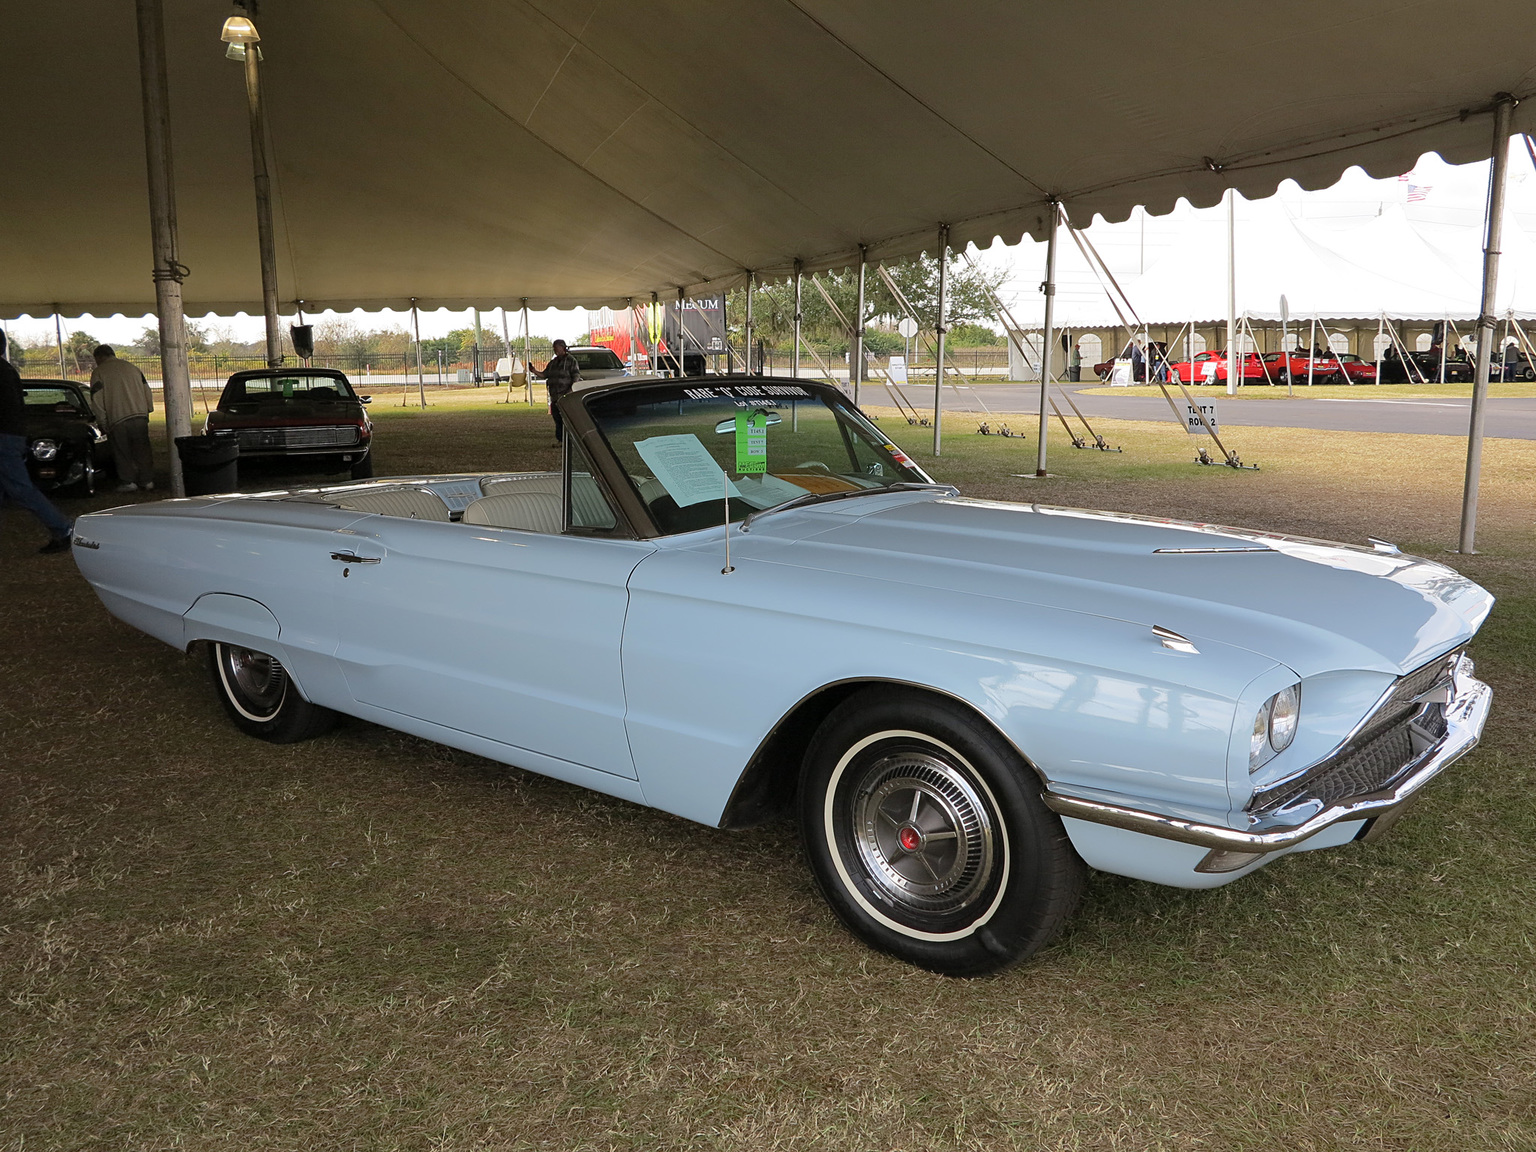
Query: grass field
point(373, 942)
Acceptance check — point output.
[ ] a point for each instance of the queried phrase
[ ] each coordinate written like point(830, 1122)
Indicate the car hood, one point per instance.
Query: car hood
point(1309, 604)
point(58, 426)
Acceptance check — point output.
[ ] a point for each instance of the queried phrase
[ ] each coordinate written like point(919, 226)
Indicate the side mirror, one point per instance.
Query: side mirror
point(366, 399)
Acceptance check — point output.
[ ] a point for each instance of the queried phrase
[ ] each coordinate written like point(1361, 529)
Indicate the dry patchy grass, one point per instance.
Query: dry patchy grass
point(371, 941)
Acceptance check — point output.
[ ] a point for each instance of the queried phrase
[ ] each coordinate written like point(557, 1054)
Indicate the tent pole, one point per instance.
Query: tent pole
point(1049, 333)
point(1234, 380)
point(176, 383)
point(421, 385)
point(506, 340)
point(682, 335)
point(799, 269)
point(746, 352)
point(263, 183)
point(477, 363)
point(939, 331)
point(527, 373)
point(58, 341)
point(1486, 321)
point(1312, 352)
point(1379, 351)
point(857, 367)
point(1445, 325)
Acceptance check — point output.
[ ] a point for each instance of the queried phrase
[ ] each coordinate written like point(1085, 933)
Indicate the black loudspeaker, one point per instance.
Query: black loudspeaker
point(303, 340)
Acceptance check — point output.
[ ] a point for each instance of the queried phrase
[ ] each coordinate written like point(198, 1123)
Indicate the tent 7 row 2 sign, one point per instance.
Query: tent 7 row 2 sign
point(1193, 424)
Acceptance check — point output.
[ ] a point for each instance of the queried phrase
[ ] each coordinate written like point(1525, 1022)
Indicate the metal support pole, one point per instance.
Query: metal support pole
point(1486, 321)
point(421, 385)
point(939, 330)
point(795, 362)
point(1048, 287)
point(58, 341)
point(176, 382)
point(1234, 379)
point(747, 350)
point(527, 369)
point(857, 368)
point(477, 365)
point(506, 342)
point(263, 182)
point(1312, 353)
point(682, 336)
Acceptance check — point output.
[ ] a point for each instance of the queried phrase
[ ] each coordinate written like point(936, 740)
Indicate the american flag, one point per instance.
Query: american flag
point(1416, 192)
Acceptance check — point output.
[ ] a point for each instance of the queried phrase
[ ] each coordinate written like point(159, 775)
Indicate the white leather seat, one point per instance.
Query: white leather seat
point(407, 503)
point(530, 511)
point(588, 506)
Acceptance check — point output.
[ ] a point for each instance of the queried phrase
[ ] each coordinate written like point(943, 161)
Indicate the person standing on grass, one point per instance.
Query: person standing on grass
point(559, 376)
point(16, 485)
point(123, 401)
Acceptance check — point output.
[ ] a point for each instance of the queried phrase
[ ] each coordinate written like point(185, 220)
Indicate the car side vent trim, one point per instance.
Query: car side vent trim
point(1173, 641)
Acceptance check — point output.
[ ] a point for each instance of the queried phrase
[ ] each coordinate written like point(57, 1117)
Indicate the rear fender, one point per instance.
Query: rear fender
point(238, 620)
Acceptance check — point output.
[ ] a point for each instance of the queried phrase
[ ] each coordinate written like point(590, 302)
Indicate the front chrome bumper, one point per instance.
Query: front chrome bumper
point(1465, 716)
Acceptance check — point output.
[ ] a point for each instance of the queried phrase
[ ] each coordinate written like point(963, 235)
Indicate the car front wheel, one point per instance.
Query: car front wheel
point(262, 699)
point(927, 834)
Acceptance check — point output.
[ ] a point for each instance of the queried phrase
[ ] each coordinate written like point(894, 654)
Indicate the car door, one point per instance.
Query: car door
point(505, 634)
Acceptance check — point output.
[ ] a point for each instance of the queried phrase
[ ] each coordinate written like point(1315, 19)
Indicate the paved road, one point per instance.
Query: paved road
point(1426, 416)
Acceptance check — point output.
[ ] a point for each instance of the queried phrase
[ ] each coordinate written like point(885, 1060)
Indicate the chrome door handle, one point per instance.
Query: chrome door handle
point(349, 558)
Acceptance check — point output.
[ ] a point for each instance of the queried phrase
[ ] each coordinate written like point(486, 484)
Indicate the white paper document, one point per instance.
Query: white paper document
point(685, 469)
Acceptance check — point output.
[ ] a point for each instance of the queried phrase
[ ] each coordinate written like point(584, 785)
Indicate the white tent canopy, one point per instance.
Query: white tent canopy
point(1405, 262)
point(479, 152)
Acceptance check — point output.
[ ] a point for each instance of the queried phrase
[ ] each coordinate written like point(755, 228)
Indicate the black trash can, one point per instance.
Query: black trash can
point(210, 464)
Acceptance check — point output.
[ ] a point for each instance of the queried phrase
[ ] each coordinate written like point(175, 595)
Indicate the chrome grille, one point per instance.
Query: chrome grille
point(334, 436)
point(1387, 743)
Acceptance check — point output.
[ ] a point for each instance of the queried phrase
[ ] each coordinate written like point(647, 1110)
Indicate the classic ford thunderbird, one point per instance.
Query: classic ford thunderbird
point(738, 598)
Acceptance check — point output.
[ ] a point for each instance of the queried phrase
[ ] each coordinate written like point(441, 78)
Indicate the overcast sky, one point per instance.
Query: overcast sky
point(1452, 198)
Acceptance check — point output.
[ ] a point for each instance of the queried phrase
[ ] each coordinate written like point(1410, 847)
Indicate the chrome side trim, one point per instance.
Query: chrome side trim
point(1204, 551)
point(1465, 717)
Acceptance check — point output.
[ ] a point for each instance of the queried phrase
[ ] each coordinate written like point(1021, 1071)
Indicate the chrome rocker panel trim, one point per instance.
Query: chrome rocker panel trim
point(1465, 717)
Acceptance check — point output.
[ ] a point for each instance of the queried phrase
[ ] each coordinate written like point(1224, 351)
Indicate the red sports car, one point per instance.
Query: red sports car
point(1211, 368)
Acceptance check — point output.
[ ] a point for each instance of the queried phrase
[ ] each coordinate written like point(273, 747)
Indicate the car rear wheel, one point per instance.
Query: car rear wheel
point(262, 699)
point(363, 469)
point(928, 837)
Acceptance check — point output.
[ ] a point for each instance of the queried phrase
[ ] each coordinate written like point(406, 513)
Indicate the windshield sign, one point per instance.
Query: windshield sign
point(693, 451)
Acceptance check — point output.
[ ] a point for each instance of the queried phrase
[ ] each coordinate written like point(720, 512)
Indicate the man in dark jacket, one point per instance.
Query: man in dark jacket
point(16, 485)
point(559, 376)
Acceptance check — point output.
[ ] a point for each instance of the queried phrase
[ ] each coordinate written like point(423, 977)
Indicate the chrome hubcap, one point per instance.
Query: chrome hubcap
point(923, 832)
point(257, 677)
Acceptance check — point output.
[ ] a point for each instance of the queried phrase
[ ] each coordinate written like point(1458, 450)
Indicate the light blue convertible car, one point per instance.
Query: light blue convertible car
point(739, 597)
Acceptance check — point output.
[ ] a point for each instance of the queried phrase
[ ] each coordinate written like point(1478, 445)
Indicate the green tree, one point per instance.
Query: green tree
point(78, 349)
point(966, 302)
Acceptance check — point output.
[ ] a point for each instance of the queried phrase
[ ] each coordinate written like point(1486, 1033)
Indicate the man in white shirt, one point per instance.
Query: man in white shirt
point(123, 401)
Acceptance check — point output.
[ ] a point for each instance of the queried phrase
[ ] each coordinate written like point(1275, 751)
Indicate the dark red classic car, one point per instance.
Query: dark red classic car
point(304, 415)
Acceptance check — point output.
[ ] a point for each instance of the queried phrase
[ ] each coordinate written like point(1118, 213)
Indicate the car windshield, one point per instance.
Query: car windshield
point(284, 389)
point(692, 450)
point(54, 397)
point(597, 359)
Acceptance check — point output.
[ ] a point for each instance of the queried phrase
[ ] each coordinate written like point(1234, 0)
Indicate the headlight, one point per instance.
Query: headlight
point(45, 449)
point(1274, 727)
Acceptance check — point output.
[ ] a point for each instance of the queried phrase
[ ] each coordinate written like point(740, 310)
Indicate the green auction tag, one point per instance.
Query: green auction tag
point(751, 444)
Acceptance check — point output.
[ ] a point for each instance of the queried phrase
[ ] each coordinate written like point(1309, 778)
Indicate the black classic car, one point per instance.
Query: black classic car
point(66, 447)
point(309, 417)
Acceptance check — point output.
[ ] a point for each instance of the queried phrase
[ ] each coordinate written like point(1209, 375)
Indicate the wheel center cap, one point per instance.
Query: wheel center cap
point(909, 838)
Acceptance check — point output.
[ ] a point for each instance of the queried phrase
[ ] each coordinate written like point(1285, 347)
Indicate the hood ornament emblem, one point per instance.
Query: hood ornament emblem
point(1173, 641)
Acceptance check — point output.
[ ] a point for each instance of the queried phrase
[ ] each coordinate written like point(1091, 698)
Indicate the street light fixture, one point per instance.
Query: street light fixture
point(240, 34)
